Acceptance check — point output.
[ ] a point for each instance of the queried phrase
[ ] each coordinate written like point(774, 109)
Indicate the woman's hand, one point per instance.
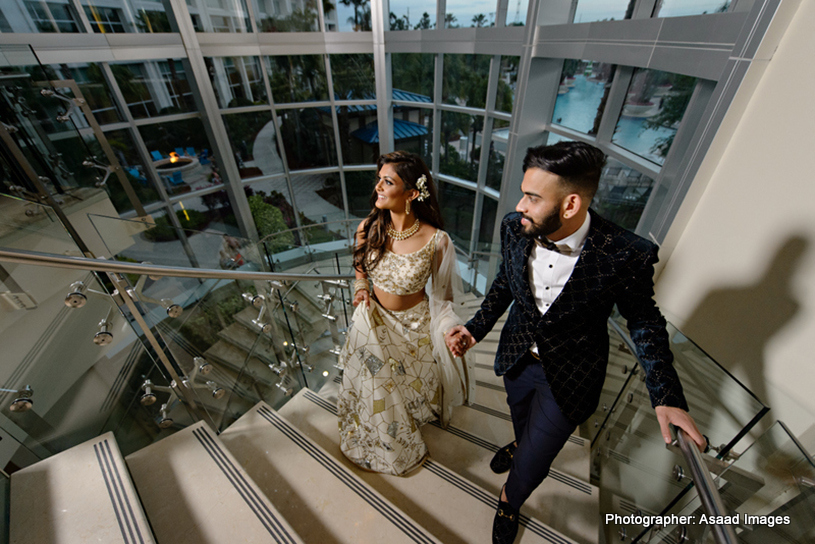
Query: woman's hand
point(361, 296)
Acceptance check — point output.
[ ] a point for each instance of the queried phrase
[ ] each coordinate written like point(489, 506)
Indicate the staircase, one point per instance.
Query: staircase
point(279, 476)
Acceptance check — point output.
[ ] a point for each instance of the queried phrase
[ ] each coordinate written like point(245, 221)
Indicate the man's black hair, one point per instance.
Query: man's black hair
point(578, 164)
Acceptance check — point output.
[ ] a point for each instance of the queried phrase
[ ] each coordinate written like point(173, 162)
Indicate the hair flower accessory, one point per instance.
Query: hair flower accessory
point(421, 184)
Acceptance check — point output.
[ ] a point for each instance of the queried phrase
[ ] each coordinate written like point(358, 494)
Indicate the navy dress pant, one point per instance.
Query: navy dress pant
point(541, 429)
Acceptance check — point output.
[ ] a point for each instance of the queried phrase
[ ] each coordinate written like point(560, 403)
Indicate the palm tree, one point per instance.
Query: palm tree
point(479, 20)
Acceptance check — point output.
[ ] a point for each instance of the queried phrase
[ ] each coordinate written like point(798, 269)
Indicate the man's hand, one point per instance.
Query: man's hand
point(459, 340)
point(679, 418)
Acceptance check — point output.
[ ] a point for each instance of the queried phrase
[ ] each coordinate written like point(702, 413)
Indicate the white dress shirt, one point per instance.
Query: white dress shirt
point(550, 270)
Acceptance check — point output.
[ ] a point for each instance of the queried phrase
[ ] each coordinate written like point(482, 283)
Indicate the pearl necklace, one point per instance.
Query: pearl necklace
point(404, 234)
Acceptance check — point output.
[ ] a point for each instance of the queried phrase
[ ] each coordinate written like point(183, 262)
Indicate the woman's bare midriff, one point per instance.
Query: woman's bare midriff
point(397, 303)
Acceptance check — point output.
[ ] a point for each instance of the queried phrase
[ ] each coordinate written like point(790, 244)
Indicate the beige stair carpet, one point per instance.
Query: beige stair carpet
point(195, 492)
point(454, 509)
point(83, 494)
point(324, 501)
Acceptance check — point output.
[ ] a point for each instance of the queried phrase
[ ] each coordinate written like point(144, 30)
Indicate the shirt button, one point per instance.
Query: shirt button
point(547, 305)
point(551, 266)
point(547, 288)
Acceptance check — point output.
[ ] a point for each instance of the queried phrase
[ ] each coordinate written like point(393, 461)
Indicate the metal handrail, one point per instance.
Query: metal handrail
point(103, 265)
point(708, 493)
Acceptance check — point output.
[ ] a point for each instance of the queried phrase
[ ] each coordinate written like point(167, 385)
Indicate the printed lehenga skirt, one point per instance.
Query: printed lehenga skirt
point(390, 387)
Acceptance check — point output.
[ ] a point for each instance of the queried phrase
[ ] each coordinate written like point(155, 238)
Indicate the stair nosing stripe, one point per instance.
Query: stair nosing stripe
point(577, 440)
point(260, 506)
point(489, 411)
point(480, 494)
point(556, 475)
point(484, 367)
point(113, 502)
point(492, 386)
point(478, 441)
point(256, 505)
point(345, 477)
point(330, 464)
point(120, 492)
point(115, 471)
point(319, 401)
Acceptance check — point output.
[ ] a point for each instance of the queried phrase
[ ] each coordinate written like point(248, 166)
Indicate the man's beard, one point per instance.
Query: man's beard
point(548, 225)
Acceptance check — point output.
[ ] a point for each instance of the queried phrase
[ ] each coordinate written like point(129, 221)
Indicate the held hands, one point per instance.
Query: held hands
point(680, 418)
point(361, 296)
point(459, 340)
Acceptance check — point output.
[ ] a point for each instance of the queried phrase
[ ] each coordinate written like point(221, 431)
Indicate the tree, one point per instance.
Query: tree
point(424, 22)
point(672, 111)
point(450, 21)
point(399, 23)
point(359, 20)
point(480, 20)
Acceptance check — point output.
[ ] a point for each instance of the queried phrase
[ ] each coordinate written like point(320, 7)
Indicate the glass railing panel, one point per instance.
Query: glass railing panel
point(5, 494)
point(635, 472)
point(767, 491)
point(309, 244)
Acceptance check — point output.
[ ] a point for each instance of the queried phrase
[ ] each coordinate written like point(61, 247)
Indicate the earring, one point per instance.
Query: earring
point(407, 207)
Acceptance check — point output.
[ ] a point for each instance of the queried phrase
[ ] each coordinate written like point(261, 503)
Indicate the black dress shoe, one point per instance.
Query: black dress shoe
point(502, 460)
point(505, 524)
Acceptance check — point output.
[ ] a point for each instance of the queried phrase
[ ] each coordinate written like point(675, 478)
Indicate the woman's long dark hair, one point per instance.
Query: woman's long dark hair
point(410, 167)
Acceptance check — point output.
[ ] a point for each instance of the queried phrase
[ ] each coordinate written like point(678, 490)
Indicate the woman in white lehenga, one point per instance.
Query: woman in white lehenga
point(398, 372)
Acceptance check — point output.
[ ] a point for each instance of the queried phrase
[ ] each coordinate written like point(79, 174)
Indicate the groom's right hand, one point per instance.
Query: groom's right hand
point(459, 340)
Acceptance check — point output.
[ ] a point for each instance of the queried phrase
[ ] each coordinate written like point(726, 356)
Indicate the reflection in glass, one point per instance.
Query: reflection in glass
point(462, 14)
point(308, 137)
point(58, 16)
point(347, 15)
point(297, 78)
point(181, 155)
point(423, 16)
point(489, 211)
point(112, 16)
point(273, 214)
point(681, 8)
point(154, 88)
point(516, 14)
point(237, 81)
point(498, 152)
point(93, 86)
point(318, 198)
point(359, 186)
point(289, 16)
point(211, 212)
point(507, 81)
point(581, 97)
point(254, 144)
point(413, 131)
point(413, 75)
point(589, 11)
point(465, 80)
point(652, 112)
point(359, 134)
point(353, 76)
point(219, 15)
point(460, 136)
point(457, 205)
point(622, 194)
point(125, 149)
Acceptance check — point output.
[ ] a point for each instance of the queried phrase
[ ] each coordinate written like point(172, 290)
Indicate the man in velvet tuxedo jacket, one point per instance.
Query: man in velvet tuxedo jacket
point(564, 268)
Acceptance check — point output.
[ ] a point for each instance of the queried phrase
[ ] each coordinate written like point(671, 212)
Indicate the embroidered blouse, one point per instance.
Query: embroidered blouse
point(405, 273)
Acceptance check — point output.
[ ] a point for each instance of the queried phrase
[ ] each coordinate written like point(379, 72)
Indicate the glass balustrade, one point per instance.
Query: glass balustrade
point(768, 492)
point(636, 473)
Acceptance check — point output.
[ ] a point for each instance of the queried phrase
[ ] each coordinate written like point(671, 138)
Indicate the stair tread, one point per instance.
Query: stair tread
point(44, 505)
point(460, 510)
point(194, 491)
point(247, 340)
point(323, 501)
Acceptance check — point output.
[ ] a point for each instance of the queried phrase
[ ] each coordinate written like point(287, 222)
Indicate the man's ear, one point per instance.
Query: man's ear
point(571, 205)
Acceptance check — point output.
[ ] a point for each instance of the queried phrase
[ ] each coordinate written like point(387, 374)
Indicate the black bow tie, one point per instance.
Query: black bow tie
point(551, 246)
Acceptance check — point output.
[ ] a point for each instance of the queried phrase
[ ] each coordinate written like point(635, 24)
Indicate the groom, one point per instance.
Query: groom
point(565, 268)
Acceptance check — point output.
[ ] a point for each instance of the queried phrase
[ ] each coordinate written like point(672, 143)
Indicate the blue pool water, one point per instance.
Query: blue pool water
point(577, 109)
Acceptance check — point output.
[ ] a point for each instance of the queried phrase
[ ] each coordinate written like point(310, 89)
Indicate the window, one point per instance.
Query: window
point(252, 137)
point(460, 141)
point(654, 107)
point(154, 88)
point(419, 15)
point(308, 137)
point(297, 78)
point(220, 16)
point(353, 76)
point(347, 15)
point(680, 8)
point(498, 152)
point(289, 16)
point(584, 86)
point(413, 75)
point(622, 194)
point(589, 11)
point(237, 81)
point(413, 131)
point(52, 16)
point(457, 207)
point(462, 14)
point(507, 81)
point(465, 80)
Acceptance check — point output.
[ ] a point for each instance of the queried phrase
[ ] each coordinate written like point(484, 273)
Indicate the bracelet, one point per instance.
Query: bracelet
point(360, 284)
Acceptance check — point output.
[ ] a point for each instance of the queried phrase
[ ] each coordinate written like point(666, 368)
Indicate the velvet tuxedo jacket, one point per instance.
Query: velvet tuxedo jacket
point(614, 267)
